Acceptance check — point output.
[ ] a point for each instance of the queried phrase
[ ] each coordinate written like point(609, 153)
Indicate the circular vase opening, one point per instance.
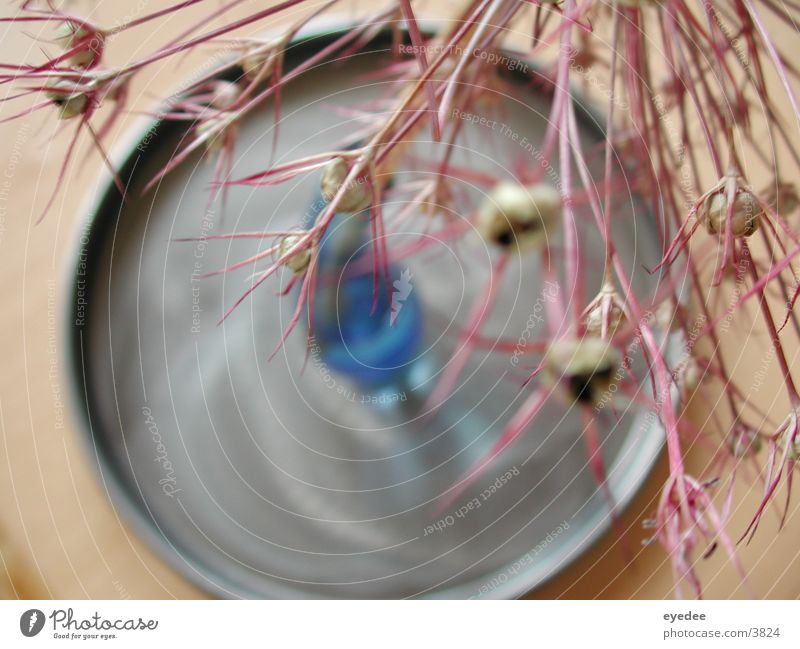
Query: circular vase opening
point(324, 470)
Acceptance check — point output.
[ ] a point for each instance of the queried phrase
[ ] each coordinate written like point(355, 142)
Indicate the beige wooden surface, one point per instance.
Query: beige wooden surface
point(55, 517)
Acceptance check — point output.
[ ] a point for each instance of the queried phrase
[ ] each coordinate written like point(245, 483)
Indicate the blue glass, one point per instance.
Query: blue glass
point(374, 343)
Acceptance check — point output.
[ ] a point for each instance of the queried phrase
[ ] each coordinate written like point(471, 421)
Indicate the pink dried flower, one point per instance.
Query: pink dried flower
point(697, 107)
point(688, 527)
point(83, 43)
point(512, 215)
point(605, 314)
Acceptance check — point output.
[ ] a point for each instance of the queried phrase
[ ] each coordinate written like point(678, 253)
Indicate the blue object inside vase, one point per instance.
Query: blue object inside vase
point(372, 339)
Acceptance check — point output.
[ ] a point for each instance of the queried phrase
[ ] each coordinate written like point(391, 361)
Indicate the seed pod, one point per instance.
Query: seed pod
point(70, 104)
point(746, 216)
point(794, 450)
point(215, 135)
point(587, 367)
point(512, 214)
point(788, 435)
point(260, 59)
point(71, 35)
point(606, 311)
point(356, 197)
point(690, 376)
point(594, 320)
point(300, 260)
point(220, 131)
point(667, 316)
point(226, 93)
point(744, 441)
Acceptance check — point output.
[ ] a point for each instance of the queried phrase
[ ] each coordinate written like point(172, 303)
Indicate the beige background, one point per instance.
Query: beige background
point(62, 537)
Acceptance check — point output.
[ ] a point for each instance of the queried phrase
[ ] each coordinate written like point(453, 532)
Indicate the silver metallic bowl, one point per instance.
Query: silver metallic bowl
point(256, 478)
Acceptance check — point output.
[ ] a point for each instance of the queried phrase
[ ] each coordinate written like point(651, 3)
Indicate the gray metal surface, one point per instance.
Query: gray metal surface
point(257, 478)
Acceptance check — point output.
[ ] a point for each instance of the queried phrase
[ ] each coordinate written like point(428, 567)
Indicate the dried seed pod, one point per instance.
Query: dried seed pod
point(587, 367)
point(215, 135)
point(299, 261)
point(512, 214)
point(746, 216)
point(260, 59)
point(744, 441)
point(605, 314)
point(226, 93)
point(690, 376)
point(217, 130)
point(91, 43)
point(794, 449)
point(70, 103)
point(667, 316)
point(356, 197)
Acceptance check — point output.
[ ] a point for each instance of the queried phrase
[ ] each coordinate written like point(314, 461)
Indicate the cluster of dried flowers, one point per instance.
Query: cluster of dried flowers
point(701, 82)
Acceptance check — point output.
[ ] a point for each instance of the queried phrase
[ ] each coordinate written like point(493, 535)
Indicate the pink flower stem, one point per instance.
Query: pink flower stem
point(607, 203)
point(181, 47)
point(774, 55)
point(156, 14)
